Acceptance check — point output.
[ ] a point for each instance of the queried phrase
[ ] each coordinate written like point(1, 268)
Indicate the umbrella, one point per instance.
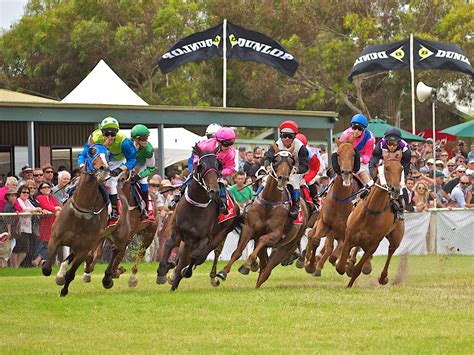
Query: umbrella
point(428, 133)
point(465, 129)
point(378, 128)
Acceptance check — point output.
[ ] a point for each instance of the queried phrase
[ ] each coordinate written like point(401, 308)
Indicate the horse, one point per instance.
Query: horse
point(83, 223)
point(267, 222)
point(194, 221)
point(336, 208)
point(373, 219)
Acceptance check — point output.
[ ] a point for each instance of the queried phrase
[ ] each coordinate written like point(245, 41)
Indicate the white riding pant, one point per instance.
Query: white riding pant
point(295, 181)
point(111, 183)
point(364, 173)
point(383, 181)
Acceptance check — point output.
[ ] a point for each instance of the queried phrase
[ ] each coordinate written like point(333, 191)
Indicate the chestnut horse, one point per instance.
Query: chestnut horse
point(267, 222)
point(336, 207)
point(373, 219)
point(83, 223)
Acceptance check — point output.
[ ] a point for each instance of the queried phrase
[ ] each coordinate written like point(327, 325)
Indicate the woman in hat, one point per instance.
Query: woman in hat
point(7, 228)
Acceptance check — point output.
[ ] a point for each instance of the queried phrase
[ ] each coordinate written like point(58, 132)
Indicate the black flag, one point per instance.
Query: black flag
point(251, 45)
point(241, 43)
point(198, 46)
point(440, 55)
point(389, 56)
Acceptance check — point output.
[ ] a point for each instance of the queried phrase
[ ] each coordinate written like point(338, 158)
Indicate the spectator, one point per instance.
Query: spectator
point(470, 164)
point(421, 195)
point(256, 164)
point(76, 172)
point(59, 191)
point(7, 228)
point(48, 172)
point(428, 149)
point(241, 159)
point(324, 160)
point(470, 155)
point(176, 179)
point(459, 172)
point(421, 166)
point(450, 169)
point(35, 222)
point(440, 166)
point(460, 161)
point(11, 183)
point(38, 176)
point(408, 194)
point(444, 157)
point(415, 157)
point(25, 174)
point(437, 185)
point(430, 163)
point(241, 193)
point(459, 193)
point(459, 150)
point(154, 183)
point(165, 198)
point(248, 162)
point(22, 246)
point(414, 147)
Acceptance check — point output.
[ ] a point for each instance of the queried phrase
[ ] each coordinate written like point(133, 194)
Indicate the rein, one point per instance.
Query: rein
point(92, 212)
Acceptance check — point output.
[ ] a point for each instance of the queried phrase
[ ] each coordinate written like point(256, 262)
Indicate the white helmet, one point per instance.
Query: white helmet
point(212, 129)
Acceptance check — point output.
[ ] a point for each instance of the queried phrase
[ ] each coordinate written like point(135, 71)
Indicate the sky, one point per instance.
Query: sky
point(10, 12)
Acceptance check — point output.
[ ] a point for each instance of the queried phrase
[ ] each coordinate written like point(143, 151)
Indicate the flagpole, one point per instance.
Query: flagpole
point(224, 70)
point(412, 73)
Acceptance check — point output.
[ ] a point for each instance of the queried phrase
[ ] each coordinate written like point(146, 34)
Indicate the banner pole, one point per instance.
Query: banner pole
point(412, 72)
point(433, 112)
point(224, 70)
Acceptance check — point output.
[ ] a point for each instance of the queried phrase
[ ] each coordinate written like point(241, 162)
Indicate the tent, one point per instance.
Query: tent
point(428, 133)
point(103, 86)
point(465, 129)
point(378, 128)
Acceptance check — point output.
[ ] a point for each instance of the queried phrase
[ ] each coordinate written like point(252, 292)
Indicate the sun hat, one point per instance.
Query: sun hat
point(10, 192)
point(461, 168)
point(430, 161)
point(439, 162)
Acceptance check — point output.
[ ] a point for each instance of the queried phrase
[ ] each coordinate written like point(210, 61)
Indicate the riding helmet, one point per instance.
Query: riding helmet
point(109, 122)
point(393, 133)
point(288, 127)
point(302, 138)
point(359, 119)
point(140, 130)
point(225, 134)
point(212, 129)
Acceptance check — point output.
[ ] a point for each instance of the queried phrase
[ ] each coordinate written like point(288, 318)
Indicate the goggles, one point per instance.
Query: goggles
point(227, 143)
point(142, 138)
point(393, 142)
point(288, 135)
point(358, 127)
point(109, 132)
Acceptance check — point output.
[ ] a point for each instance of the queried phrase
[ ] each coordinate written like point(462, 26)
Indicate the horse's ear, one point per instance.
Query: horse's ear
point(350, 139)
point(92, 151)
point(275, 148)
point(338, 141)
point(197, 150)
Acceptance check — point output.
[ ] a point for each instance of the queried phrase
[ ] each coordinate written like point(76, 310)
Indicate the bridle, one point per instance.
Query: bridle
point(385, 186)
point(285, 155)
point(199, 177)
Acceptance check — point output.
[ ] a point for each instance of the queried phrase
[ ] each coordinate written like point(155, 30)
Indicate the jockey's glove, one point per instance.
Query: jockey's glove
point(116, 172)
point(135, 179)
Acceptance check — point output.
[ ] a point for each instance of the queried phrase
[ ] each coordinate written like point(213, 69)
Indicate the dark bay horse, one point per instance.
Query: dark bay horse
point(373, 219)
point(268, 223)
point(194, 219)
point(83, 223)
point(336, 208)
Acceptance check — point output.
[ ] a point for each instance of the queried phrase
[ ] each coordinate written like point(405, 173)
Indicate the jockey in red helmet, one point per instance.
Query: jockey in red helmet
point(288, 132)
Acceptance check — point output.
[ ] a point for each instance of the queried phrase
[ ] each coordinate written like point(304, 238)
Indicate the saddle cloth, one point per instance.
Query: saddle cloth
point(230, 208)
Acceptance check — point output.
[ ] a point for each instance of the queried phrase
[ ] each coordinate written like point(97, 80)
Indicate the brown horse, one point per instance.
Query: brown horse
point(268, 224)
point(336, 208)
point(83, 223)
point(373, 219)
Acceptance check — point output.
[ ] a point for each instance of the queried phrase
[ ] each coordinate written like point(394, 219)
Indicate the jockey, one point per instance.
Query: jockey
point(392, 142)
point(121, 156)
point(223, 140)
point(288, 131)
point(364, 142)
point(145, 162)
point(211, 131)
point(314, 163)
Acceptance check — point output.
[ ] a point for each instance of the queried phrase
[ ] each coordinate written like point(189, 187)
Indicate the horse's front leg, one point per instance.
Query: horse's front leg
point(163, 266)
point(148, 236)
point(183, 258)
point(198, 247)
point(71, 273)
point(264, 241)
point(314, 239)
point(213, 274)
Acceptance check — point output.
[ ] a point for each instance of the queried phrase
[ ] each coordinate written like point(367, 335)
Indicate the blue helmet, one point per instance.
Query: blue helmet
point(360, 119)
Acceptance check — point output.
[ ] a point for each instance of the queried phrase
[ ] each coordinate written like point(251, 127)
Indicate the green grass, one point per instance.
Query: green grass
point(430, 311)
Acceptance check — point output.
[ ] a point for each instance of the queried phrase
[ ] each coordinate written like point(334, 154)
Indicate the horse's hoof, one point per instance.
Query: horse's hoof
point(60, 280)
point(63, 293)
point(383, 281)
point(170, 278)
point(310, 268)
point(244, 270)
point(316, 273)
point(86, 278)
point(300, 263)
point(215, 282)
point(367, 269)
point(46, 271)
point(132, 281)
point(187, 272)
point(107, 284)
point(222, 275)
point(161, 280)
point(254, 266)
point(349, 268)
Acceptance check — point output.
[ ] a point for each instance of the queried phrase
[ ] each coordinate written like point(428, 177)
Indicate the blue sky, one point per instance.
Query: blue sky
point(10, 12)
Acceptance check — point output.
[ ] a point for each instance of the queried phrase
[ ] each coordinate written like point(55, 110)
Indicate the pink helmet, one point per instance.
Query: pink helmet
point(225, 134)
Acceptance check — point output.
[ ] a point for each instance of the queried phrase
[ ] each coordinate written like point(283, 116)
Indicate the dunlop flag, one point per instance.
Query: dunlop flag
point(396, 56)
point(439, 55)
point(389, 56)
point(198, 46)
point(251, 45)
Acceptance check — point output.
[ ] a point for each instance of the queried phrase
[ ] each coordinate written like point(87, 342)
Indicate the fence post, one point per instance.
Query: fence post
point(432, 234)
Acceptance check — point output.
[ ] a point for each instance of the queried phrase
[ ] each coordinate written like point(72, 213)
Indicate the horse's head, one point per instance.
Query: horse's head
point(282, 165)
point(393, 172)
point(96, 162)
point(207, 170)
point(346, 160)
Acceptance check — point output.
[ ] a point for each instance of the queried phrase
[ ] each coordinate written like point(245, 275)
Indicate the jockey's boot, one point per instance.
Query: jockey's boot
point(114, 203)
point(144, 214)
point(313, 191)
point(397, 208)
point(295, 204)
point(222, 199)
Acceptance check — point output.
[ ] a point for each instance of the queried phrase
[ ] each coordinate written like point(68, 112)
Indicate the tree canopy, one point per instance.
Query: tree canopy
point(56, 43)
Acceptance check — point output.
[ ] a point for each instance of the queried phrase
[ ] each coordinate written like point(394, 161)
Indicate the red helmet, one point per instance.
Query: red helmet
point(302, 138)
point(289, 127)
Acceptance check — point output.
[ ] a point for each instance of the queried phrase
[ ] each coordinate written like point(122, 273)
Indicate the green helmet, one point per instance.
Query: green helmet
point(109, 122)
point(140, 130)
